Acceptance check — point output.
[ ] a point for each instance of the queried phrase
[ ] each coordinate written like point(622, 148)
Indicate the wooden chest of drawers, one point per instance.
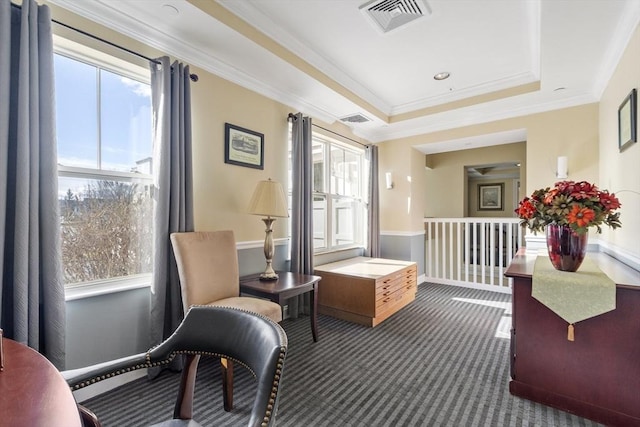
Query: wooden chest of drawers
point(597, 376)
point(365, 290)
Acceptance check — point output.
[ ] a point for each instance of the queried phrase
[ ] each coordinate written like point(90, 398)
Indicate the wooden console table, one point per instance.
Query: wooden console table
point(597, 376)
point(33, 392)
point(366, 290)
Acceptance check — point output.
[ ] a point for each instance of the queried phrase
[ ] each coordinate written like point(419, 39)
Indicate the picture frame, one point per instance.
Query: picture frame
point(243, 147)
point(627, 126)
point(491, 197)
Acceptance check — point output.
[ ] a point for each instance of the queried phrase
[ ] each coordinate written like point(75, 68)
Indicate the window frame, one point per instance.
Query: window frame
point(112, 64)
point(330, 199)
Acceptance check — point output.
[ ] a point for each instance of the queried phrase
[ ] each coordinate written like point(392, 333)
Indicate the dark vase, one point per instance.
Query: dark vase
point(566, 247)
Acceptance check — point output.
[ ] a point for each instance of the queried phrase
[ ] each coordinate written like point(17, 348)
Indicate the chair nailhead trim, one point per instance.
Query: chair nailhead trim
point(150, 364)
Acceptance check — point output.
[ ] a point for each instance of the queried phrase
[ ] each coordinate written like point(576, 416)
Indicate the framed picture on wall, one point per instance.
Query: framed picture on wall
point(627, 127)
point(491, 197)
point(243, 147)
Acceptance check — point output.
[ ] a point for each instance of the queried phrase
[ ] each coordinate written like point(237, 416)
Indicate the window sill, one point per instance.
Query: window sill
point(104, 287)
point(326, 257)
point(338, 250)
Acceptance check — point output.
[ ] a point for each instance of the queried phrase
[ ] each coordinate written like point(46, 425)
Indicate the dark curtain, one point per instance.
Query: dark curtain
point(32, 306)
point(173, 181)
point(373, 235)
point(301, 208)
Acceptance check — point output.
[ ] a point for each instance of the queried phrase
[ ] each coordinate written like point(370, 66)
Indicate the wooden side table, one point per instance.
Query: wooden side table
point(288, 285)
point(32, 391)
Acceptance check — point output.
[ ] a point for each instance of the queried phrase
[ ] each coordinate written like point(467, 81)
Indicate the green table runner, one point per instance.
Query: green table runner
point(576, 296)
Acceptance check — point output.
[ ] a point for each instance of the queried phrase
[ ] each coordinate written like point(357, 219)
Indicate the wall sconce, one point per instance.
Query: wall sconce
point(269, 200)
point(389, 180)
point(562, 167)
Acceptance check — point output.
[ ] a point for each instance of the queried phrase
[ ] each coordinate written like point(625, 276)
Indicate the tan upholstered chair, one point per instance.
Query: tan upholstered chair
point(209, 275)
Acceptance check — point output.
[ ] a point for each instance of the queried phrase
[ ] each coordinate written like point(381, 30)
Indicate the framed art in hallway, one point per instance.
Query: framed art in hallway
point(627, 126)
point(490, 197)
point(243, 147)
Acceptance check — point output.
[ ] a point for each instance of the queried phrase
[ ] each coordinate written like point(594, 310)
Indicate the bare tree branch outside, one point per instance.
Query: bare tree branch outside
point(106, 231)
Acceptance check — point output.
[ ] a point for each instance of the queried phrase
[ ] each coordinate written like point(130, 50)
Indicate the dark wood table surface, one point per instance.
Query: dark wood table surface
point(288, 285)
point(33, 392)
point(597, 376)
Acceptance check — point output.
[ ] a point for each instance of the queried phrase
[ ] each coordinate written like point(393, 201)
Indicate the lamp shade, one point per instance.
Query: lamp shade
point(269, 200)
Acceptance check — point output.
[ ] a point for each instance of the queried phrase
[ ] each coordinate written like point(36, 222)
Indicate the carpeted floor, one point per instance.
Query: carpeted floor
point(441, 361)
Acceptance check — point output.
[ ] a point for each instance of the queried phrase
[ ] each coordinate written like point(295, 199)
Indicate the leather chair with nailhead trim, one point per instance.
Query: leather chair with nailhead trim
point(249, 339)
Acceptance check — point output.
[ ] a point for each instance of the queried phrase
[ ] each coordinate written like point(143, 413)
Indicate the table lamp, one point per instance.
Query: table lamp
point(269, 200)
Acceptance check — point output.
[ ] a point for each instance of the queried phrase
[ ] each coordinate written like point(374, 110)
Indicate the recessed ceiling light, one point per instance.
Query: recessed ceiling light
point(442, 75)
point(170, 10)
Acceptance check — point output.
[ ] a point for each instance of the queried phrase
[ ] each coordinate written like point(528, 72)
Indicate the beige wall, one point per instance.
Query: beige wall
point(222, 191)
point(399, 204)
point(620, 172)
point(445, 190)
point(572, 132)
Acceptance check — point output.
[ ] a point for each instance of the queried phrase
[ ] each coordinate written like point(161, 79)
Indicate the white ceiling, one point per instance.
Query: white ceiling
point(329, 61)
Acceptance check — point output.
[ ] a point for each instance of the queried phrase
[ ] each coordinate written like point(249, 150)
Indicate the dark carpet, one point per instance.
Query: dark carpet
point(441, 361)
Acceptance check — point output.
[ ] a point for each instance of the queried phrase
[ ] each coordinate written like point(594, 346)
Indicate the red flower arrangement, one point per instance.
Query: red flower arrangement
point(579, 205)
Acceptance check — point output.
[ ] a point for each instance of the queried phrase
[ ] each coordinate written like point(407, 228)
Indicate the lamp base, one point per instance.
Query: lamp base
point(269, 273)
point(268, 276)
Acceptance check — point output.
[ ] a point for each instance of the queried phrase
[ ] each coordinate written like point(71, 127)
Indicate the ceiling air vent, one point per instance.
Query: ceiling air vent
point(355, 118)
point(388, 15)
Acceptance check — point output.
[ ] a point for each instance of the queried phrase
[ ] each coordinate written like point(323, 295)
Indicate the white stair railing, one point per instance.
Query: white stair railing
point(471, 252)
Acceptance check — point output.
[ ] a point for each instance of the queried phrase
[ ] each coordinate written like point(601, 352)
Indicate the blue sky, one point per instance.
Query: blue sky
point(125, 117)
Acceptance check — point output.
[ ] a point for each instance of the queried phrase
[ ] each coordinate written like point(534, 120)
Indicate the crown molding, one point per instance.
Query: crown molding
point(467, 117)
point(249, 12)
point(476, 141)
point(101, 12)
point(109, 17)
point(619, 42)
point(461, 94)
point(534, 9)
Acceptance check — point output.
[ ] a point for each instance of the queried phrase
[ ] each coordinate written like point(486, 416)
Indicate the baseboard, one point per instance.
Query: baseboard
point(493, 288)
point(104, 386)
